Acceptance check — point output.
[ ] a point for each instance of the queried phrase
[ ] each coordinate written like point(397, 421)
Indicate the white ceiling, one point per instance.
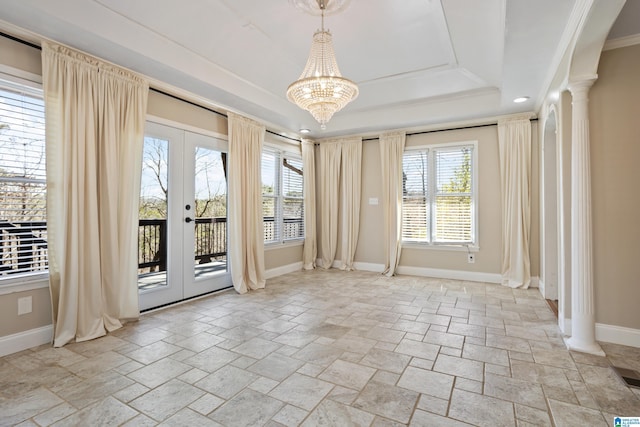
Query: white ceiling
point(417, 62)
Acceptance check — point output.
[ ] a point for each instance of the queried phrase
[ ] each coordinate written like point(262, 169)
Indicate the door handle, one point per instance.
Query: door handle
point(188, 220)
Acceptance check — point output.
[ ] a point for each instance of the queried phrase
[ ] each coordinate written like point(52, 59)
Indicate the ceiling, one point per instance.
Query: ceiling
point(417, 62)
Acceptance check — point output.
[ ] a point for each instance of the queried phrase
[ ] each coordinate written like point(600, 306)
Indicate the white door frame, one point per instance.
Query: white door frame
point(180, 281)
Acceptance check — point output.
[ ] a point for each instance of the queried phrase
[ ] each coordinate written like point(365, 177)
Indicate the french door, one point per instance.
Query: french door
point(182, 233)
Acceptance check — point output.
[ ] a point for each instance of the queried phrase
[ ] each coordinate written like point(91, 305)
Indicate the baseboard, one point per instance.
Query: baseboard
point(618, 335)
point(23, 340)
point(361, 266)
point(541, 287)
point(368, 266)
point(284, 269)
point(472, 276)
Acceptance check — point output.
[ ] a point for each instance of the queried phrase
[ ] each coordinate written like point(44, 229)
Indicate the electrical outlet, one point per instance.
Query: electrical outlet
point(471, 258)
point(24, 305)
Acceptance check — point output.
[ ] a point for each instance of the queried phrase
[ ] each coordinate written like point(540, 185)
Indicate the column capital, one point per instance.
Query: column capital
point(581, 84)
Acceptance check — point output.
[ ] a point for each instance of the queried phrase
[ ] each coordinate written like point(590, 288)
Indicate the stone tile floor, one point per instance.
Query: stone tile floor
point(327, 348)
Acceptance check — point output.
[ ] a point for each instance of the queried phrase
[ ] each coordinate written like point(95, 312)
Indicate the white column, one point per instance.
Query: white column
point(583, 323)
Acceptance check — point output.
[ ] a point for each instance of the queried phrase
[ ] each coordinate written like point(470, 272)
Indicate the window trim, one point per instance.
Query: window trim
point(472, 246)
point(37, 279)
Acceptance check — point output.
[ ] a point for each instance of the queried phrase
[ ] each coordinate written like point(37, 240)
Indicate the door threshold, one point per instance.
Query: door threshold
point(182, 301)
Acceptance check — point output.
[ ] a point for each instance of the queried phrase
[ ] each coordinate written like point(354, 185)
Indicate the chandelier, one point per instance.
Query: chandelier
point(321, 89)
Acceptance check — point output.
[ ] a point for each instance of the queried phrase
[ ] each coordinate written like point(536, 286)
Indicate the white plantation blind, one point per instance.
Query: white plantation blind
point(282, 196)
point(23, 230)
point(415, 196)
point(453, 214)
point(438, 195)
point(292, 199)
point(270, 194)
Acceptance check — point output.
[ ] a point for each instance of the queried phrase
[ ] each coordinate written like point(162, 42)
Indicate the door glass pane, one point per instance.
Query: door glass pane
point(210, 211)
point(152, 228)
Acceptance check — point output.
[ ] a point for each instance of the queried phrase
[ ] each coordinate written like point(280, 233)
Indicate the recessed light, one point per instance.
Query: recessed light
point(521, 99)
point(304, 131)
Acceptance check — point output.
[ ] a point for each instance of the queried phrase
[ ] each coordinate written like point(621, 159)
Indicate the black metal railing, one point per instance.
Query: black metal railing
point(293, 228)
point(210, 242)
point(23, 247)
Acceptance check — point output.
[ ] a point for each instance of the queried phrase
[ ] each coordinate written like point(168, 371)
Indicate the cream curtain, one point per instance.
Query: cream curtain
point(351, 184)
point(339, 199)
point(330, 153)
point(246, 230)
point(310, 249)
point(514, 140)
point(95, 115)
point(391, 150)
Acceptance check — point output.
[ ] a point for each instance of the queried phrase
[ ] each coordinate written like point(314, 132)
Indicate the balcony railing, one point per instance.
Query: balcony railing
point(23, 245)
point(210, 240)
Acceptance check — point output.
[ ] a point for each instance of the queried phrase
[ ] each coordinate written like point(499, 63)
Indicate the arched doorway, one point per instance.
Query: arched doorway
point(550, 277)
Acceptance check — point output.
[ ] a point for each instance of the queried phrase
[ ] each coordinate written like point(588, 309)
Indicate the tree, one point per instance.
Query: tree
point(155, 179)
point(460, 182)
point(210, 200)
point(453, 204)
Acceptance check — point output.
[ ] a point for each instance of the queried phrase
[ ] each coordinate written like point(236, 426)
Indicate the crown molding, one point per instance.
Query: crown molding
point(622, 42)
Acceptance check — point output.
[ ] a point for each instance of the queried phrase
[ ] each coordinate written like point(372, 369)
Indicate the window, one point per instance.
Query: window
point(438, 196)
point(282, 197)
point(23, 228)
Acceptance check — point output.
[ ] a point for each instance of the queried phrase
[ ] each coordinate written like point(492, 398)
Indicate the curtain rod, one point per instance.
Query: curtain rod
point(445, 130)
point(35, 46)
point(16, 39)
point(214, 111)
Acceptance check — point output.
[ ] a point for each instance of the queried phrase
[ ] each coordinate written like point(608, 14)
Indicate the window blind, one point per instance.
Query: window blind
point(437, 195)
point(415, 193)
point(23, 230)
point(270, 195)
point(292, 200)
point(453, 214)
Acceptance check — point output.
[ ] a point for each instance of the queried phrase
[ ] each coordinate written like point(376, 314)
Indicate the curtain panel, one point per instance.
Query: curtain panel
point(340, 192)
point(330, 153)
point(246, 229)
point(95, 115)
point(391, 150)
point(310, 249)
point(514, 141)
point(351, 188)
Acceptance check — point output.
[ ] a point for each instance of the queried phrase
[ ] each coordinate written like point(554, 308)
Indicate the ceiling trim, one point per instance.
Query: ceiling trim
point(622, 42)
point(565, 45)
point(443, 127)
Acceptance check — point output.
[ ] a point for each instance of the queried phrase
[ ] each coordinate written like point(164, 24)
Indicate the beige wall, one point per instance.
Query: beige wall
point(180, 112)
point(370, 247)
point(274, 258)
point(488, 260)
point(11, 323)
point(565, 113)
point(27, 61)
point(20, 57)
point(615, 150)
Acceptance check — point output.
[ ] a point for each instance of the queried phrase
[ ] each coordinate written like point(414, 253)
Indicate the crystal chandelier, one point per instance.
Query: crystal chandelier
point(321, 89)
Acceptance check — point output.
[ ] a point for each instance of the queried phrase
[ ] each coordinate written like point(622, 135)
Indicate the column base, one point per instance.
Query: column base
point(584, 347)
